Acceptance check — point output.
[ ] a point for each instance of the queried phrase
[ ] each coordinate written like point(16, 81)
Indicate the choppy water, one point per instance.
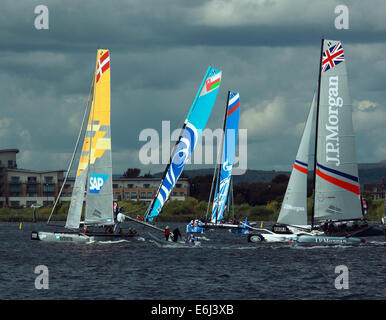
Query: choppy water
point(225, 267)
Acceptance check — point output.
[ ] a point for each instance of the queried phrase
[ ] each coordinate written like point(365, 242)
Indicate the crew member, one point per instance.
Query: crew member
point(176, 234)
point(120, 218)
point(167, 233)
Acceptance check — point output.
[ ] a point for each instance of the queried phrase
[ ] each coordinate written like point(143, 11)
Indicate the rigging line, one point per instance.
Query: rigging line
point(91, 128)
point(232, 199)
point(73, 154)
point(316, 134)
point(211, 191)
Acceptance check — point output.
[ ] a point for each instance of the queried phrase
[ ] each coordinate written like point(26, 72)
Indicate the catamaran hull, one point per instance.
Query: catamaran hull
point(60, 237)
point(329, 240)
point(77, 237)
point(272, 237)
point(303, 239)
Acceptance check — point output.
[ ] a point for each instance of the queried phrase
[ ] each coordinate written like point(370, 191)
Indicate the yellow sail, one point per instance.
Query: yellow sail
point(95, 163)
point(99, 114)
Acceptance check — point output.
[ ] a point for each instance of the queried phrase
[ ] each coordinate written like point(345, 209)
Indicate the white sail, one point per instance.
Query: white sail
point(337, 194)
point(76, 204)
point(294, 208)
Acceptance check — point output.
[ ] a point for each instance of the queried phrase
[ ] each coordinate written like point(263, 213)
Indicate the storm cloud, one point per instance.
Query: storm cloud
point(268, 51)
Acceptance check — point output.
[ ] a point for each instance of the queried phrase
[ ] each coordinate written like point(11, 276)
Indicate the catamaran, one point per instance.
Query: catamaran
point(190, 133)
point(94, 170)
point(223, 171)
point(336, 204)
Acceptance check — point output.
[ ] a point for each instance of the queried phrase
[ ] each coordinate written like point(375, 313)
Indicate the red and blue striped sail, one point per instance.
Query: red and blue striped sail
point(191, 131)
point(337, 194)
point(228, 156)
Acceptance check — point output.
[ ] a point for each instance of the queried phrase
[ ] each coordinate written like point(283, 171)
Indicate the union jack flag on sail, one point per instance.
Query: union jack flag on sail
point(332, 56)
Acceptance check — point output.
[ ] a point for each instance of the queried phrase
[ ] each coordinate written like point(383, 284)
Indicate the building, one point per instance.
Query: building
point(20, 187)
point(136, 189)
point(376, 190)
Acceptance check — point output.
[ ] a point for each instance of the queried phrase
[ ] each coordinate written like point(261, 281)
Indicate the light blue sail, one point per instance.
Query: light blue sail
point(191, 131)
point(228, 156)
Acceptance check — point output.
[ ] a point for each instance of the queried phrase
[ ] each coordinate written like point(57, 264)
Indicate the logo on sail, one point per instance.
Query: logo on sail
point(212, 83)
point(103, 65)
point(291, 207)
point(332, 56)
point(97, 181)
point(332, 124)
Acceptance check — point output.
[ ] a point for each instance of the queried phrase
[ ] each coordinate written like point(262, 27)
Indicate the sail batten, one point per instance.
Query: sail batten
point(193, 126)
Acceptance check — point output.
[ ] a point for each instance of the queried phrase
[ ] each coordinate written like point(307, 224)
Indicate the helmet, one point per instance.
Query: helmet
point(167, 227)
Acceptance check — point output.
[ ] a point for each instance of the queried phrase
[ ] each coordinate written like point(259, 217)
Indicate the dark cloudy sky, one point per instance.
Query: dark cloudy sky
point(268, 50)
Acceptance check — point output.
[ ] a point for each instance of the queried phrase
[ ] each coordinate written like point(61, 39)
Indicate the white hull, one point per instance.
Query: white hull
point(309, 239)
point(61, 237)
point(268, 237)
point(77, 237)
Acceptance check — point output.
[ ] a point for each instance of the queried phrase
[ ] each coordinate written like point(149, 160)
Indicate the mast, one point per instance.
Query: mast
point(230, 196)
point(221, 154)
point(316, 133)
point(211, 192)
point(73, 154)
point(233, 200)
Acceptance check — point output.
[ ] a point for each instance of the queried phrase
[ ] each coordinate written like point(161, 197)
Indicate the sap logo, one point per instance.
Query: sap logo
point(97, 181)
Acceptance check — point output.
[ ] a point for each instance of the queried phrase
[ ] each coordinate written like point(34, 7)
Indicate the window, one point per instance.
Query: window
point(30, 203)
point(181, 194)
point(48, 190)
point(117, 195)
point(146, 185)
point(48, 179)
point(15, 203)
point(67, 186)
point(143, 195)
point(115, 186)
point(32, 188)
point(10, 163)
point(130, 185)
point(133, 195)
point(149, 195)
point(127, 195)
point(48, 203)
point(178, 185)
point(174, 194)
point(15, 179)
point(31, 179)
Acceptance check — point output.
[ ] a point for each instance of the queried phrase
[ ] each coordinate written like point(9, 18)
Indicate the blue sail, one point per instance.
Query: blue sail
point(228, 156)
point(191, 131)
